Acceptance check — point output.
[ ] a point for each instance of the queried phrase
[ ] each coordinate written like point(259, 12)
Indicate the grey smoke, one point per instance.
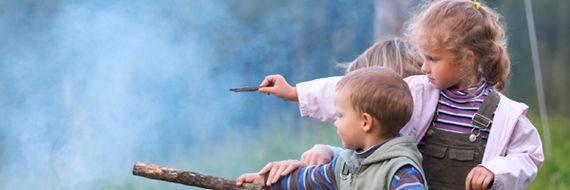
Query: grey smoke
point(89, 87)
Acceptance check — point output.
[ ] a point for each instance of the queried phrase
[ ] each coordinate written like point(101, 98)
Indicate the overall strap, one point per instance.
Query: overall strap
point(482, 118)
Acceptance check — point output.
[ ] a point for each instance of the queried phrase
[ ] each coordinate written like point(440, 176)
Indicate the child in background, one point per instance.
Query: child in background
point(373, 104)
point(466, 61)
point(395, 54)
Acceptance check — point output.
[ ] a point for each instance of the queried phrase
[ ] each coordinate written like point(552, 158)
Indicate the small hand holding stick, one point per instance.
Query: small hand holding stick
point(273, 84)
point(265, 83)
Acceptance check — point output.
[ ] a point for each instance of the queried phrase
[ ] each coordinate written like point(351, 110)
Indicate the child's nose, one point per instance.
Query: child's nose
point(425, 67)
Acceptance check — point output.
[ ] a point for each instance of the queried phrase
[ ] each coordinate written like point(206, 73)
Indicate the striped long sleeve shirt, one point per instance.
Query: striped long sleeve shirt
point(323, 176)
point(455, 110)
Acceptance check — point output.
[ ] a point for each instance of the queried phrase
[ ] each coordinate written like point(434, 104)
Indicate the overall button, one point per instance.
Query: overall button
point(472, 137)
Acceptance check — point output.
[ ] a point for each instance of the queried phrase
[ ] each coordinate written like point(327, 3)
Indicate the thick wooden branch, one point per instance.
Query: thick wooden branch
point(189, 178)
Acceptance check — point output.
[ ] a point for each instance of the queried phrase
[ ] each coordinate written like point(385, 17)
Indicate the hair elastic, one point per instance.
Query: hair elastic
point(477, 4)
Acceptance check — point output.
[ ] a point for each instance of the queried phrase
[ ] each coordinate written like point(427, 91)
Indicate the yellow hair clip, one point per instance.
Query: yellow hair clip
point(477, 5)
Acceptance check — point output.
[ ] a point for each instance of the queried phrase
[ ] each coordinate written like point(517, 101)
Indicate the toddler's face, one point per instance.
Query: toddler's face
point(440, 68)
point(349, 122)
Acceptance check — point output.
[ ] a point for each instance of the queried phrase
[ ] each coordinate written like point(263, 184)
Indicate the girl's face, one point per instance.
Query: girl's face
point(441, 69)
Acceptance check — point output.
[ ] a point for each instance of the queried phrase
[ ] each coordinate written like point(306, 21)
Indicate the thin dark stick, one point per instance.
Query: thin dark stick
point(189, 178)
point(245, 89)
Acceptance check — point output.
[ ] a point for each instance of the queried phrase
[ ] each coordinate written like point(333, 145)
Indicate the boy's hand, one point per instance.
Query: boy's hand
point(278, 86)
point(319, 154)
point(254, 178)
point(479, 178)
point(278, 169)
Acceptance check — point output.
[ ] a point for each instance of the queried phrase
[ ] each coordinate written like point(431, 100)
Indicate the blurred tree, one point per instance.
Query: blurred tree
point(552, 21)
point(390, 17)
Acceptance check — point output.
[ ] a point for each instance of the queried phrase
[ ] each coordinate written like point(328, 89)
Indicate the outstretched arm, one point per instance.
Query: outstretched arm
point(254, 178)
point(278, 86)
point(276, 170)
point(316, 98)
point(320, 154)
point(310, 177)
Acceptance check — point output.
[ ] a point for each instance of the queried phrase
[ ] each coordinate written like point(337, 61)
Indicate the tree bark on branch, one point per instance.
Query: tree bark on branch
point(189, 178)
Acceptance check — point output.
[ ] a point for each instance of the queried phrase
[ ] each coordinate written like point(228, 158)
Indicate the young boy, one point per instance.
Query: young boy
point(373, 104)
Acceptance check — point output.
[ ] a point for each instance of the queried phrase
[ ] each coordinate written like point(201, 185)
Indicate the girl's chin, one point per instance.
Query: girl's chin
point(436, 85)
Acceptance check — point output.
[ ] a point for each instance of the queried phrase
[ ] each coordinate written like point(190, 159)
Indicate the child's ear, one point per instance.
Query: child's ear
point(367, 122)
point(470, 57)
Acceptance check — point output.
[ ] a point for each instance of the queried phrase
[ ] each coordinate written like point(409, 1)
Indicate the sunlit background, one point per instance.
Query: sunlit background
point(87, 88)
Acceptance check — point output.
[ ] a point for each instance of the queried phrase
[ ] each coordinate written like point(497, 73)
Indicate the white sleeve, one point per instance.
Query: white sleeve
point(316, 98)
point(523, 157)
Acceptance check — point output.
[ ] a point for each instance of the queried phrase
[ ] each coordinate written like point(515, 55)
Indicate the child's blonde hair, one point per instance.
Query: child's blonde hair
point(383, 94)
point(461, 25)
point(395, 54)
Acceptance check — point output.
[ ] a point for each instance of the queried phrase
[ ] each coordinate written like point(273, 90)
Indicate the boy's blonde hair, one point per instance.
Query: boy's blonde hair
point(460, 25)
point(381, 93)
point(395, 54)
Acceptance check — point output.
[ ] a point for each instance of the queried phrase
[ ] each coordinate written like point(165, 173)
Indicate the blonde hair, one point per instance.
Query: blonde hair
point(383, 94)
point(459, 26)
point(395, 54)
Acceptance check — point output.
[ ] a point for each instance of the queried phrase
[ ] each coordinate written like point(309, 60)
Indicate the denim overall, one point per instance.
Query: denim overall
point(448, 156)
